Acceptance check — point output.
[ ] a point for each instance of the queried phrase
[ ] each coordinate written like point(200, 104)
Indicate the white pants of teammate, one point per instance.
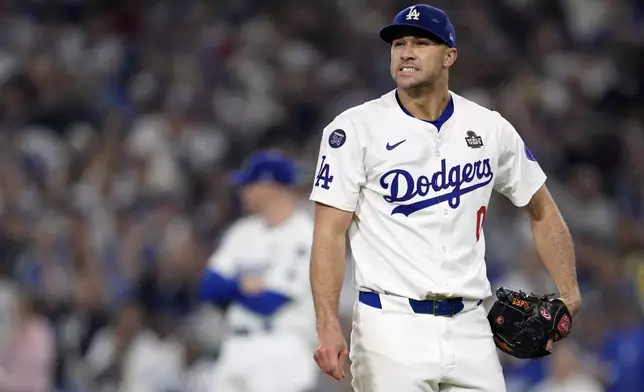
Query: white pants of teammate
point(394, 349)
point(265, 363)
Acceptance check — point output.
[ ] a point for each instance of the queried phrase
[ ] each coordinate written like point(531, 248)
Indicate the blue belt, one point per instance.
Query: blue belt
point(447, 307)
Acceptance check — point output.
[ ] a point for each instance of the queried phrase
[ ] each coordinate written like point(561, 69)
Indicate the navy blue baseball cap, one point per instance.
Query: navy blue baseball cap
point(266, 166)
point(423, 19)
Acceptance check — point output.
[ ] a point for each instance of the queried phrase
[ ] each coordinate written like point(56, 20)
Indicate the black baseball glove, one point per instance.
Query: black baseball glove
point(522, 324)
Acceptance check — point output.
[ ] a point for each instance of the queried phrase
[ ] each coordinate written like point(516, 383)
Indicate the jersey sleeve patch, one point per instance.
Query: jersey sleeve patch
point(337, 138)
point(529, 154)
point(519, 173)
point(339, 174)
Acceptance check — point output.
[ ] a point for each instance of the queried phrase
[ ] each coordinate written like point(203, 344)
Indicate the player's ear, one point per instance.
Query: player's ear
point(450, 57)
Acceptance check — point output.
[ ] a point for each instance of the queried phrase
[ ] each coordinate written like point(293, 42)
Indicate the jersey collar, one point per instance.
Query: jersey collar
point(442, 119)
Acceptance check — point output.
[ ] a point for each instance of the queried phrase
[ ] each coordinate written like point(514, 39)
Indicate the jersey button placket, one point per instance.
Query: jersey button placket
point(438, 154)
point(437, 141)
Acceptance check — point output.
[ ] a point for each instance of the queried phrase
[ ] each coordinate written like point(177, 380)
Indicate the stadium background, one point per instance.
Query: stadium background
point(120, 121)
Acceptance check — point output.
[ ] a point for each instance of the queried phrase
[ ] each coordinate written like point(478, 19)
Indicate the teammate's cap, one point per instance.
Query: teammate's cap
point(269, 166)
point(424, 19)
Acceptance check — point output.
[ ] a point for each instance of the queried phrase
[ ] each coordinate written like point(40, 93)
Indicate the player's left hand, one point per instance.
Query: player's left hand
point(251, 284)
point(527, 326)
point(573, 305)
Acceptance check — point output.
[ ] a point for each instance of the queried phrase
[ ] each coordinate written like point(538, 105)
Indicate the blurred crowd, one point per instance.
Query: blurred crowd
point(120, 120)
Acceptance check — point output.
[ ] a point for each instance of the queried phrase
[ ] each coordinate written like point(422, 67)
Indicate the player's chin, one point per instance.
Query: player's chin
point(405, 81)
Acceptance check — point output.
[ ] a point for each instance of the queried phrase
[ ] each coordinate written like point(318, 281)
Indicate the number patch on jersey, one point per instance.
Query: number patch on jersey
point(324, 177)
point(337, 138)
point(480, 218)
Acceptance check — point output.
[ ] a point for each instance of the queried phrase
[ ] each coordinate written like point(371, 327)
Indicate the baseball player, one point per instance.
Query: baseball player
point(260, 275)
point(408, 178)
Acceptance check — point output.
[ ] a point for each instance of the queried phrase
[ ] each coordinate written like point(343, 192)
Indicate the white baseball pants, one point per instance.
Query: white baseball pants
point(394, 349)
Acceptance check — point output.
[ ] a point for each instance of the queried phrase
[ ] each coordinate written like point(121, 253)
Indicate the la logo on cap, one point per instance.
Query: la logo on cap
point(412, 14)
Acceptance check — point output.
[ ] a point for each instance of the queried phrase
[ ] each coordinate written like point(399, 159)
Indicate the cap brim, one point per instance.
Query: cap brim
point(394, 31)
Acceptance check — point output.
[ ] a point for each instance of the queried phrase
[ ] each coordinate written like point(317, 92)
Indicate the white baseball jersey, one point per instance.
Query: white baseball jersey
point(420, 194)
point(280, 255)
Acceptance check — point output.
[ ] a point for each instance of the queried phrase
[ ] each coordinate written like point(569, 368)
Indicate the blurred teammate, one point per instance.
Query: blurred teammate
point(260, 274)
point(409, 176)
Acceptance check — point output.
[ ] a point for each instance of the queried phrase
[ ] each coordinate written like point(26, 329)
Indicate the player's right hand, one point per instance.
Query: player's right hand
point(332, 351)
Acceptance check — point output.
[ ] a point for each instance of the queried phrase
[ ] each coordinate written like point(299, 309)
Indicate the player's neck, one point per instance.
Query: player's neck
point(425, 104)
point(279, 212)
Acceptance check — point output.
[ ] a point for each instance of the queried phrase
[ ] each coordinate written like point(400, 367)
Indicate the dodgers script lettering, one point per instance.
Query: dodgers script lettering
point(403, 186)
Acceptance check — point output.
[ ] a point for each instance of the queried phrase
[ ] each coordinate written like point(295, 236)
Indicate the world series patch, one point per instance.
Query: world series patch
point(473, 140)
